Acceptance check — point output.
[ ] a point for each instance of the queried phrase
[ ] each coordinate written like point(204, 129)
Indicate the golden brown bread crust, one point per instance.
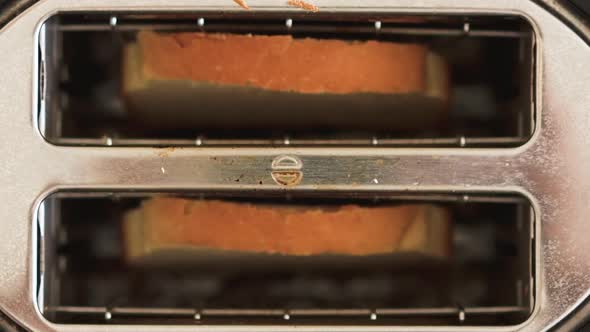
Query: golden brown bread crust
point(166, 223)
point(282, 63)
point(169, 83)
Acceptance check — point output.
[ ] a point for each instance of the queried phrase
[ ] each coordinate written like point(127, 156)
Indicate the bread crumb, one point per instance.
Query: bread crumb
point(242, 3)
point(303, 5)
point(166, 151)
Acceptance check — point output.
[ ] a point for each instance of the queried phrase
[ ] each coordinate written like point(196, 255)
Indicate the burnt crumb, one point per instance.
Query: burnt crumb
point(259, 182)
point(242, 3)
point(294, 3)
point(166, 151)
point(303, 5)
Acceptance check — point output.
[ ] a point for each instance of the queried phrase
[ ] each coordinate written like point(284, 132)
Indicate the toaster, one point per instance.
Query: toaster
point(505, 152)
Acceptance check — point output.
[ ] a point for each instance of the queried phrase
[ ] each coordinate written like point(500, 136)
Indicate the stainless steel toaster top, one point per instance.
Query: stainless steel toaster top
point(550, 169)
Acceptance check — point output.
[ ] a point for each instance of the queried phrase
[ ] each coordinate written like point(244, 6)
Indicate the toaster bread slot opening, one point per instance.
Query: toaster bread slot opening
point(214, 79)
point(337, 259)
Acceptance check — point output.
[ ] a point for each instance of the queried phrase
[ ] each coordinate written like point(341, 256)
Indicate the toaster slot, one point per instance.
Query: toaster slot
point(460, 259)
point(129, 79)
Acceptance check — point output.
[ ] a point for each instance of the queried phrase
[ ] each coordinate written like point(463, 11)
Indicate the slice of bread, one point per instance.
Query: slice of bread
point(216, 80)
point(172, 227)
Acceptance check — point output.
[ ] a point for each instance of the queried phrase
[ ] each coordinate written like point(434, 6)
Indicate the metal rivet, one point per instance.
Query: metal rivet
point(375, 181)
point(108, 315)
point(289, 23)
point(373, 316)
point(462, 141)
point(374, 141)
point(199, 141)
point(377, 25)
point(201, 22)
point(113, 21)
point(109, 141)
point(466, 27)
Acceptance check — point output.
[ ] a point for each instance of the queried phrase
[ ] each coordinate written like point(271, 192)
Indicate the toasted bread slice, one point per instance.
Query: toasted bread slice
point(213, 80)
point(172, 227)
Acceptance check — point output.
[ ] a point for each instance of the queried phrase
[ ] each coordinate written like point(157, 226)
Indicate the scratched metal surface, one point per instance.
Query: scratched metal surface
point(552, 169)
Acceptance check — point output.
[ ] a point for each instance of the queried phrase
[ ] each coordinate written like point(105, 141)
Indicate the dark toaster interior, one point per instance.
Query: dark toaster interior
point(486, 280)
point(490, 62)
